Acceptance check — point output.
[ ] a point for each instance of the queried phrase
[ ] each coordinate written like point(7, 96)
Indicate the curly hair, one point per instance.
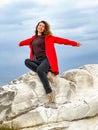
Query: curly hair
point(47, 29)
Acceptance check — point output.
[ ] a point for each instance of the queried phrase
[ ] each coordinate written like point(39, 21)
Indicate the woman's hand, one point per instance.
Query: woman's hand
point(78, 44)
point(18, 44)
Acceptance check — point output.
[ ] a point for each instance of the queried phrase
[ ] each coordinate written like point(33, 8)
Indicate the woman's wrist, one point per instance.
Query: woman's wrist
point(78, 44)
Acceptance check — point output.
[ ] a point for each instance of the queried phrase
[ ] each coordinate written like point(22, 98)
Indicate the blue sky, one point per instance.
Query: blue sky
point(72, 19)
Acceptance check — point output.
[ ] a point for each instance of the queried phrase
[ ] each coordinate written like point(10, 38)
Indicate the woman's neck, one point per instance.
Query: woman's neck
point(39, 34)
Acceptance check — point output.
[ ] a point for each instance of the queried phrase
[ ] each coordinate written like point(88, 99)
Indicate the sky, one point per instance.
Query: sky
point(71, 19)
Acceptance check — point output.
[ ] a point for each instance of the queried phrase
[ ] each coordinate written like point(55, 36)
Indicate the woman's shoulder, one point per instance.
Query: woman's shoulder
point(34, 36)
point(50, 36)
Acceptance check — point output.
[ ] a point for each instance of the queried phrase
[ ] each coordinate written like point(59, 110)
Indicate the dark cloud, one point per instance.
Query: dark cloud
point(17, 11)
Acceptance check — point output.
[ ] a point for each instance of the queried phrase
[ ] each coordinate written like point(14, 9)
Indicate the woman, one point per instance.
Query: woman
point(43, 55)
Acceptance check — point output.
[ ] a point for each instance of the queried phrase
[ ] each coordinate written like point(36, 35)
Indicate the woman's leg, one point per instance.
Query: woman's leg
point(42, 70)
point(41, 67)
point(31, 64)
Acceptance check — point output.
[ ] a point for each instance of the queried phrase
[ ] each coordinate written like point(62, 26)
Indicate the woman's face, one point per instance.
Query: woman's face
point(41, 28)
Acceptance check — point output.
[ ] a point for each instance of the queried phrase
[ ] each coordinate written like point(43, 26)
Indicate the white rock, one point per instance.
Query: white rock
point(24, 101)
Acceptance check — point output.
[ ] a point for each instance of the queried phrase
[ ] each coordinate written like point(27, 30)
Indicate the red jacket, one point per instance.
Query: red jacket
point(50, 50)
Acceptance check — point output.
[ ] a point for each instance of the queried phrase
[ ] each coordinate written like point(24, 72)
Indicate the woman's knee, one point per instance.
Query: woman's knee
point(27, 61)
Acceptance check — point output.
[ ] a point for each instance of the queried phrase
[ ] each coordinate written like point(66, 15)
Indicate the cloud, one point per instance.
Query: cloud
point(86, 3)
point(3, 2)
point(17, 11)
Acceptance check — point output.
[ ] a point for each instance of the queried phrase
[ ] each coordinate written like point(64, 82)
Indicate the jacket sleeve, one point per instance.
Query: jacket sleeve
point(64, 41)
point(26, 42)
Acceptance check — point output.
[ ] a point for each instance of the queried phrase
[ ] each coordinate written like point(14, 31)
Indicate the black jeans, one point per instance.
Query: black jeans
point(41, 66)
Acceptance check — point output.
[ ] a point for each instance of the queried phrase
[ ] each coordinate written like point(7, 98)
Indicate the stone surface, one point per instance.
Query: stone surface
point(24, 102)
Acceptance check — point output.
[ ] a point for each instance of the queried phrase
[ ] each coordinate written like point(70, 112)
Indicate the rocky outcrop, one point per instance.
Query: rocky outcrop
point(24, 102)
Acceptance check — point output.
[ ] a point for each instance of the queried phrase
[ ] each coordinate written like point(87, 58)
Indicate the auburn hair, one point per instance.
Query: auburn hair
point(46, 31)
